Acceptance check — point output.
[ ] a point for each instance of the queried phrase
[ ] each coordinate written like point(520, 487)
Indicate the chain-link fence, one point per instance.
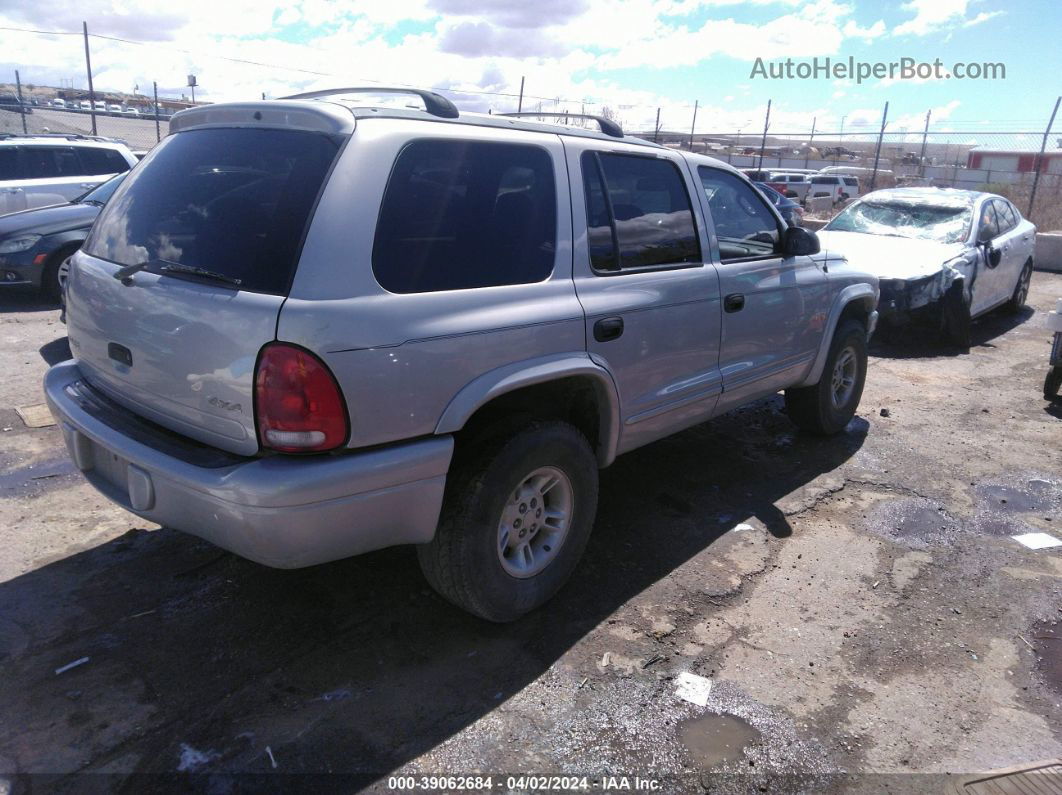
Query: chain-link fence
point(993, 161)
point(975, 157)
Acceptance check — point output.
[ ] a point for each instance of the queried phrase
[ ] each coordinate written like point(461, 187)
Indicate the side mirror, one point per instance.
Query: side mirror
point(800, 242)
point(994, 256)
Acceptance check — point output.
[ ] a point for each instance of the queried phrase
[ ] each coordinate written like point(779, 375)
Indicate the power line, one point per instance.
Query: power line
point(969, 124)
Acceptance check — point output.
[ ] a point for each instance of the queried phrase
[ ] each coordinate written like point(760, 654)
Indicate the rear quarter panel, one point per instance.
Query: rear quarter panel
point(401, 358)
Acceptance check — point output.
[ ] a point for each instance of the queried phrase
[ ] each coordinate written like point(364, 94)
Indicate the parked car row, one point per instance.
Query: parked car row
point(111, 108)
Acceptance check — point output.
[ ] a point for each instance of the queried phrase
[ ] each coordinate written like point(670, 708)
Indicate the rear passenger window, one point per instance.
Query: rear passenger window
point(101, 161)
point(465, 214)
point(744, 227)
point(638, 213)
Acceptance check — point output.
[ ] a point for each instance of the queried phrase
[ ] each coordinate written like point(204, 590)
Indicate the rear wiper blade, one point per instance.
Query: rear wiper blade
point(203, 273)
point(126, 271)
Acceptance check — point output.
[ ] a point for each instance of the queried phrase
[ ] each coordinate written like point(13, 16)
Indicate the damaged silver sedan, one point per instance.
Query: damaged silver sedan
point(943, 256)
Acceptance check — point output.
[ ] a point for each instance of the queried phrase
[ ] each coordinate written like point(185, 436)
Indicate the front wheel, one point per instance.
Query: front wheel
point(955, 316)
point(516, 518)
point(827, 407)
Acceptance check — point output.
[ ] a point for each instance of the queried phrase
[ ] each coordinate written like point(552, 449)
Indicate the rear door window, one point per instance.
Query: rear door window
point(38, 162)
point(67, 162)
point(232, 201)
point(465, 214)
point(638, 213)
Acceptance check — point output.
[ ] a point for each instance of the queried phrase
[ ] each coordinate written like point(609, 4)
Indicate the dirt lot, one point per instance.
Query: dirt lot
point(858, 603)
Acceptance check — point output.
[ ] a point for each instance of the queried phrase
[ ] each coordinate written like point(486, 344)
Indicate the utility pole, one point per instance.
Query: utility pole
point(922, 156)
point(1040, 159)
point(158, 132)
point(763, 141)
point(656, 129)
point(520, 102)
point(877, 151)
point(807, 152)
point(88, 68)
point(21, 107)
point(696, 103)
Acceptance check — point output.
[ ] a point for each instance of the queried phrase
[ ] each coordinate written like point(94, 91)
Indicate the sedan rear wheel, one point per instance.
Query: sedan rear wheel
point(1021, 289)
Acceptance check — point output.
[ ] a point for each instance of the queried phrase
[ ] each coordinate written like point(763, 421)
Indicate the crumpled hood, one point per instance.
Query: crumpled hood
point(890, 257)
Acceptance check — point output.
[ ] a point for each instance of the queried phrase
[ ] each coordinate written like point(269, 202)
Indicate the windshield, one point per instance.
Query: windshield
point(945, 223)
point(102, 192)
point(232, 201)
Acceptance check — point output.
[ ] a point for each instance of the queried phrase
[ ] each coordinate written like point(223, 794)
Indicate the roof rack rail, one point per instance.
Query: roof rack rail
point(63, 136)
point(608, 127)
point(435, 104)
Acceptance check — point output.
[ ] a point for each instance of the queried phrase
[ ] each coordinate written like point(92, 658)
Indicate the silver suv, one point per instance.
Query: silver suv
point(305, 329)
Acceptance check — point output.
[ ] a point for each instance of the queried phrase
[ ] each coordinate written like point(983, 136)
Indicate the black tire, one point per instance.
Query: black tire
point(1052, 383)
point(50, 287)
point(812, 408)
point(955, 316)
point(1021, 290)
point(463, 562)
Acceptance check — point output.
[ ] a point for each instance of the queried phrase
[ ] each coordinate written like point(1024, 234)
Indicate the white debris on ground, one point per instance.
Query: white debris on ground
point(693, 688)
point(1037, 540)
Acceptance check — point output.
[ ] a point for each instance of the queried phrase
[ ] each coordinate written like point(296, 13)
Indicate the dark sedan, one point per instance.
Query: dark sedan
point(34, 243)
point(790, 210)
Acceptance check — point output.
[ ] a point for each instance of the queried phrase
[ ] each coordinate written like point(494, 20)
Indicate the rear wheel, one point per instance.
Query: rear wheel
point(516, 518)
point(827, 407)
point(1021, 289)
point(1052, 383)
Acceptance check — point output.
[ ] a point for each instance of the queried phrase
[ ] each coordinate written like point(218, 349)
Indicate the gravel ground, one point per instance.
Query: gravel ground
point(858, 603)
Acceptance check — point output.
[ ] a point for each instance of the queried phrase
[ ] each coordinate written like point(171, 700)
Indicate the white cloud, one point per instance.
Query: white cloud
point(984, 16)
point(931, 16)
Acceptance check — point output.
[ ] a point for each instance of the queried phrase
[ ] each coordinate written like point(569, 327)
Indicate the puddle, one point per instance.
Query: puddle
point(1002, 510)
point(1047, 638)
point(714, 739)
point(35, 478)
point(914, 522)
point(1038, 496)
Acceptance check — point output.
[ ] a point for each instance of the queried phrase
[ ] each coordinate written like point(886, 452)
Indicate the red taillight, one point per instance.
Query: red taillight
point(297, 402)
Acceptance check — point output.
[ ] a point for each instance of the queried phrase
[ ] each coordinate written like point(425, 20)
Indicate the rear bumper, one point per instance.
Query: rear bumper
point(281, 511)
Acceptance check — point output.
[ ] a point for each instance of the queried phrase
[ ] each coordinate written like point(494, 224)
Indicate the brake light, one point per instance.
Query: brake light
point(298, 405)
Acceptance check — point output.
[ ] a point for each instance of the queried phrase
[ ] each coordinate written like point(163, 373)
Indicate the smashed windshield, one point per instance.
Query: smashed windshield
point(945, 223)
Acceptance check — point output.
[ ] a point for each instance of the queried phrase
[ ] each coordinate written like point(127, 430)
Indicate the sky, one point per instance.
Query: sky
point(633, 56)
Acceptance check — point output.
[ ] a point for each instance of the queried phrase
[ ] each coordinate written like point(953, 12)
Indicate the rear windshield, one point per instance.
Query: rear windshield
point(231, 201)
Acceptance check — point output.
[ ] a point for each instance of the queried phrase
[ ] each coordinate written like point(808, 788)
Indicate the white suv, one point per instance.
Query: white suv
point(38, 170)
point(839, 187)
